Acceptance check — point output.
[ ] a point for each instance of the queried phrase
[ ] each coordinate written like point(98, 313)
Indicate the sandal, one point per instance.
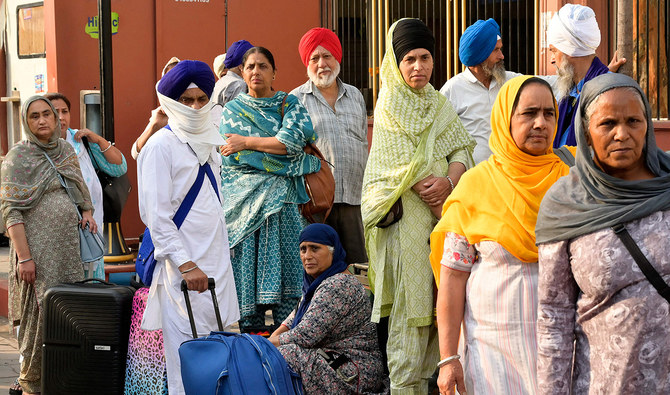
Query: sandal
point(265, 330)
point(15, 388)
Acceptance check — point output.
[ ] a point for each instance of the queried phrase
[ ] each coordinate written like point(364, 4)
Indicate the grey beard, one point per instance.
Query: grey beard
point(565, 82)
point(497, 72)
point(322, 83)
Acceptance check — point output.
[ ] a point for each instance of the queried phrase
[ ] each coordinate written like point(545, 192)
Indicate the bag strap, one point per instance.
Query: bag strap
point(188, 201)
point(565, 155)
point(63, 183)
point(84, 140)
point(649, 272)
point(281, 109)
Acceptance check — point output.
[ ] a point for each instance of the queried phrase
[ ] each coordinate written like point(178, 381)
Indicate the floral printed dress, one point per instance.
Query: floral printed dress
point(337, 320)
point(592, 291)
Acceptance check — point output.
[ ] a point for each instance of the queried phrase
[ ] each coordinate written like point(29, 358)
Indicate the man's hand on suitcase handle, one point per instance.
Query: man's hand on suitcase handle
point(196, 279)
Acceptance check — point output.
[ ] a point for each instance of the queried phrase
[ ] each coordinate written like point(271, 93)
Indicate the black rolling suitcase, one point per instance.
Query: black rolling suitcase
point(85, 334)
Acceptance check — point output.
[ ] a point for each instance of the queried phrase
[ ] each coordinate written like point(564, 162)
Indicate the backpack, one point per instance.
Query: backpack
point(232, 364)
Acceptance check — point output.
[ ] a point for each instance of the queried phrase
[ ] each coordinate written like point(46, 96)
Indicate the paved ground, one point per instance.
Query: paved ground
point(9, 354)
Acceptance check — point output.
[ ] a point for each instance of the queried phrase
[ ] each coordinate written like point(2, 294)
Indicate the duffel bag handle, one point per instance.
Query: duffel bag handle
point(90, 280)
point(212, 289)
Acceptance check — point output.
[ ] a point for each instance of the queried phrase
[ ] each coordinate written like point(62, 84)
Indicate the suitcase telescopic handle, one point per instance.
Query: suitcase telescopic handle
point(212, 289)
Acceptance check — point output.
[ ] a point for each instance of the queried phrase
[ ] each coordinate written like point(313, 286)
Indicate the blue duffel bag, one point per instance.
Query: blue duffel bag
point(231, 363)
point(226, 363)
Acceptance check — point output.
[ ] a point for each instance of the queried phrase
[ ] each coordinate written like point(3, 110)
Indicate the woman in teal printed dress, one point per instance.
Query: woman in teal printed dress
point(262, 185)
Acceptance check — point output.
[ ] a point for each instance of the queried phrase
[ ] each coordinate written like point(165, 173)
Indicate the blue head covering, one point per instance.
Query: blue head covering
point(478, 41)
point(326, 235)
point(177, 80)
point(236, 52)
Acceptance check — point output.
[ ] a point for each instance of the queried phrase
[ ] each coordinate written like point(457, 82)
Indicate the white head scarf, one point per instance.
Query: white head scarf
point(574, 30)
point(218, 65)
point(191, 126)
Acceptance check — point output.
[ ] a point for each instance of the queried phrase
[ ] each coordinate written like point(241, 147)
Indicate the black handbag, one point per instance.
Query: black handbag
point(115, 190)
point(394, 215)
point(647, 269)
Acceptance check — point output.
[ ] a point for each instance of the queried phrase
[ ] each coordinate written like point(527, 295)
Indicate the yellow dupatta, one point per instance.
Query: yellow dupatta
point(498, 200)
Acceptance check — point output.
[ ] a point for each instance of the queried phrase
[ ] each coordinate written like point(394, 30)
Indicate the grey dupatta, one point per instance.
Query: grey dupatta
point(588, 199)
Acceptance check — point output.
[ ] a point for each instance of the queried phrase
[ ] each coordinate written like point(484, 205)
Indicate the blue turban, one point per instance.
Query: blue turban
point(176, 81)
point(236, 52)
point(326, 235)
point(478, 41)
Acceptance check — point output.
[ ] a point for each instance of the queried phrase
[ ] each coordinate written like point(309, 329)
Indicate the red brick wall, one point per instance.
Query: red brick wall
point(151, 32)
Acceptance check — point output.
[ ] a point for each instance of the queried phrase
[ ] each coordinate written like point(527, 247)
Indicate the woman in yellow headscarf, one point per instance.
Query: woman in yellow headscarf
point(483, 249)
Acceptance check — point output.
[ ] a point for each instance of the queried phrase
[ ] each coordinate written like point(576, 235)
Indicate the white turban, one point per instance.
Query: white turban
point(574, 30)
point(218, 66)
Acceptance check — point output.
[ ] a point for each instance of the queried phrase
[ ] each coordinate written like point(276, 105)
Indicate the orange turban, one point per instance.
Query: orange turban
point(323, 37)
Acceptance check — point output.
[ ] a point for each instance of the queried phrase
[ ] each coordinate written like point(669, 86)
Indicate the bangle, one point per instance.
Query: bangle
point(25, 260)
point(450, 183)
point(108, 147)
point(447, 360)
point(189, 270)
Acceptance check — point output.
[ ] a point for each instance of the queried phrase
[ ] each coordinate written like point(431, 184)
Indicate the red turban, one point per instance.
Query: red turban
point(323, 37)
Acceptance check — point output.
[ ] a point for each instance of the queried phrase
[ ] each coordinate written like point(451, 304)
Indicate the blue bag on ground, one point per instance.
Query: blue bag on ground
point(231, 363)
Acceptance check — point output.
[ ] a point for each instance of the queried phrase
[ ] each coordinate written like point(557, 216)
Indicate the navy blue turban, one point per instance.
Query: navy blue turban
point(176, 81)
point(326, 235)
point(236, 52)
point(478, 41)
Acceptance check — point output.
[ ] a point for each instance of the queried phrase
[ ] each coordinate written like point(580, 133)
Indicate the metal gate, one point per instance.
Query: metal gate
point(362, 25)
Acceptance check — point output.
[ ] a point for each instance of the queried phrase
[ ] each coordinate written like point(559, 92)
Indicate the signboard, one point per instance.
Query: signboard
point(91, 27)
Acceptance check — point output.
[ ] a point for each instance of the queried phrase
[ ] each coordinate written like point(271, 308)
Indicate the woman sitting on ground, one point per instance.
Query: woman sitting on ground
point(329, 340)
point(602, 327)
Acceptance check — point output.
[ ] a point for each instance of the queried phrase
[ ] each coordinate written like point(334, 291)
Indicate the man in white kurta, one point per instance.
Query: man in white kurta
point(473, 91)
point(199, 249)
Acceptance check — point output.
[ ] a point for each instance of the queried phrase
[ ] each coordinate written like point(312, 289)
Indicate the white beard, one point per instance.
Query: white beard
point(497, 72)
point(324, 81)
point(565, 82)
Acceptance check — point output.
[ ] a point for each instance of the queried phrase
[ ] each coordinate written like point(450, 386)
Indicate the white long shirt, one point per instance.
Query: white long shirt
point(90, 178)
point(166, 171)
point(473, 103)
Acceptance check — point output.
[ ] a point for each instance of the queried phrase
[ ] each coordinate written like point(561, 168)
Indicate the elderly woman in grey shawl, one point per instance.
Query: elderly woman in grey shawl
point(591, 288)
point(41, 221)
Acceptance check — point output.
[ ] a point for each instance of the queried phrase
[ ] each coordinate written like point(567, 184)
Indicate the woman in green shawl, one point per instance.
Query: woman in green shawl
point(419, 151)
point(262, 185)
point(41, 221)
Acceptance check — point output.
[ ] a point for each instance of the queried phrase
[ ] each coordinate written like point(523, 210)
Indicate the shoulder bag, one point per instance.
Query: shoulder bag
point(145, 262)
point(320, 186)
point(91, 245)
point(115, 190)
point(649, 272)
